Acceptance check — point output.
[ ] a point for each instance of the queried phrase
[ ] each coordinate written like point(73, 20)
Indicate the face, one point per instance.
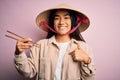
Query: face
point(62, 22)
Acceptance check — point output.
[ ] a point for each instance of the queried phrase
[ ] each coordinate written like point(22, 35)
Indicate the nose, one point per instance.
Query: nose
point(61, 21)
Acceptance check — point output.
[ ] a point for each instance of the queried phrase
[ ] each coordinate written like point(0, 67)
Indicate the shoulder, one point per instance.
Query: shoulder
point(42, 41)
point(84, 45)
point(81, 43)
point(40, 44)
point(46, 41)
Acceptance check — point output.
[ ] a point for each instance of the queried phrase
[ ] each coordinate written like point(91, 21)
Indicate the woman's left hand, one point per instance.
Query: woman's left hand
point(79, 55)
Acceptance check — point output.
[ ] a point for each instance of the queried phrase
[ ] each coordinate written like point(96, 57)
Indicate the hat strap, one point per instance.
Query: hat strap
point(73, 29)
point(79, 20)
point(44, 23)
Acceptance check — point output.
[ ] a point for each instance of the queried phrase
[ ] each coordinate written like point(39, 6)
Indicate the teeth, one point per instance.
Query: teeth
point(61, 26)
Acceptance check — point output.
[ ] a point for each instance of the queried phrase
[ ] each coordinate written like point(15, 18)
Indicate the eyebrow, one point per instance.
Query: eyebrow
point(64, 15)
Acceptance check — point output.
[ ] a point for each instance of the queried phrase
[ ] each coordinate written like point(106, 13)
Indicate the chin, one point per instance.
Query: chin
point(62, 34)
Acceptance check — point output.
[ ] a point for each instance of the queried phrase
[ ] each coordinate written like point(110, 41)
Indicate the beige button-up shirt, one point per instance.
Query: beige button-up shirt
point(43, 61)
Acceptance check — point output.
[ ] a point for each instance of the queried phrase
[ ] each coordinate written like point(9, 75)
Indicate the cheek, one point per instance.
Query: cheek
point(70, 24)
point(55, 24)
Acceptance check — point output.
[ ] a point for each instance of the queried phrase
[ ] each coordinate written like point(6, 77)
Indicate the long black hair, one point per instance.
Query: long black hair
point(76, 34)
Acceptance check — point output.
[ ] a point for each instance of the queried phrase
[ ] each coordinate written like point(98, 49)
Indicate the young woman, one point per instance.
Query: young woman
point(64, 54)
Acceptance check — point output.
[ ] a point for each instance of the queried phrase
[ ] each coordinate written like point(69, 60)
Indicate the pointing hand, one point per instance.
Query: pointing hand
point(79, 55)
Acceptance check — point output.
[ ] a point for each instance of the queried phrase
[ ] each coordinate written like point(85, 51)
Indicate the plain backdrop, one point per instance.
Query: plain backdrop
point(103, 34)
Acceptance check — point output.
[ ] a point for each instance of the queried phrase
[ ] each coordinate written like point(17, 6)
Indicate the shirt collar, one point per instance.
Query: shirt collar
point(52, 40)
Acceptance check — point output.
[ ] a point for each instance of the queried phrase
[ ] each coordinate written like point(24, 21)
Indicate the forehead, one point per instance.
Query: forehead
point(61, 11)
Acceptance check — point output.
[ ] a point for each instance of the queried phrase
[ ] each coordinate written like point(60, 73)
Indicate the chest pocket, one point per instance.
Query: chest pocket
point(44, 72)
point(44, 69)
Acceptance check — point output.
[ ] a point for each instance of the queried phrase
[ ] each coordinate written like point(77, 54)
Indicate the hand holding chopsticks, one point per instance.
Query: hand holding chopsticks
point(22, 43)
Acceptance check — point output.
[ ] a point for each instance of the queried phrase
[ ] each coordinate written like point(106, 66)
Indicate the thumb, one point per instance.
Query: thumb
point(78, 46)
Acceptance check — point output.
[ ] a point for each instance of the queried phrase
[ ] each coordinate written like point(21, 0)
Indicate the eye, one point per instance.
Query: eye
point(67, 17)
point(56, 18)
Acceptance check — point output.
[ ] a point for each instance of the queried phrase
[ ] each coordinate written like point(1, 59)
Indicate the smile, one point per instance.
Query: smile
point(61, 27)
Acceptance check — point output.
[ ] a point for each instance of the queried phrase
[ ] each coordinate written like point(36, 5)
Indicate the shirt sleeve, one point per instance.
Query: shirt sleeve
point(25, 65)
point(88, 70)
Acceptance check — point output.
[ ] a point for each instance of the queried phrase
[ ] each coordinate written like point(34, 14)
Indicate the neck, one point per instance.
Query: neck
point(61, 38)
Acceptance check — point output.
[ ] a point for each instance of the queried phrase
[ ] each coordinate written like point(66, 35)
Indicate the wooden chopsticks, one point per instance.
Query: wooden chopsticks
point(19, 37)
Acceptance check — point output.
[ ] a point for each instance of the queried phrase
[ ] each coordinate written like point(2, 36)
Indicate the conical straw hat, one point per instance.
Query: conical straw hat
point(43, 16)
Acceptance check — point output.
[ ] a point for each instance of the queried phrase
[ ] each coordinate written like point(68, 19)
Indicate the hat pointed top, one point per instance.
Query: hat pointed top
point(63, 5)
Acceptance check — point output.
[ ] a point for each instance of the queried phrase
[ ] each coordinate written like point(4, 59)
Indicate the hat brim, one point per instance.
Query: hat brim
point(43, 16)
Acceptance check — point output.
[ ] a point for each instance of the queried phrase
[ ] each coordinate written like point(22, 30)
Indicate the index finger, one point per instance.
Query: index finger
point(71, 53)
point(26, 40)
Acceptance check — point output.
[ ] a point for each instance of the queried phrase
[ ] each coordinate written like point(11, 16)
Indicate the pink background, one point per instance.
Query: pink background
point(103, 35)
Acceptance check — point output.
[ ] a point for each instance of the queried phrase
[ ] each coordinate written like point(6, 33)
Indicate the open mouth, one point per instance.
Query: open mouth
point(61, 27)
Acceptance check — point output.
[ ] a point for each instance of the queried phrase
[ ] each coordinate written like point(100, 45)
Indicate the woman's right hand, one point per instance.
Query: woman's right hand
point(22, 45)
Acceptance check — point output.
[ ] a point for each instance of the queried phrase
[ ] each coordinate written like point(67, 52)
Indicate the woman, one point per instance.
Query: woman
point(64, 55)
